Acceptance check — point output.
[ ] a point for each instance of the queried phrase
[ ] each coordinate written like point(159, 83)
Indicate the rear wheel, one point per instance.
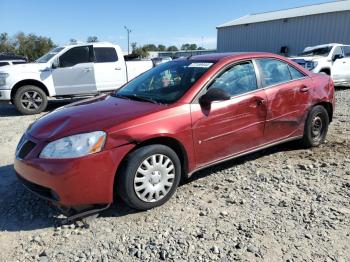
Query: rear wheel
point(149, 177)
point(30, 100)
point(316, 127)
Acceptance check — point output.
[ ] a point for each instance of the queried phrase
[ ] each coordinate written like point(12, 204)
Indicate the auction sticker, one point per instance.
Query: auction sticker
point(202, 65)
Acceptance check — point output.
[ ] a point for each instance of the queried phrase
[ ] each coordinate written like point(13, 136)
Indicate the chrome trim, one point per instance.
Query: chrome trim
point(245, 153)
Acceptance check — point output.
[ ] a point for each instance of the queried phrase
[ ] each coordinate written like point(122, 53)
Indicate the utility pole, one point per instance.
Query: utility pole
point(128, 33)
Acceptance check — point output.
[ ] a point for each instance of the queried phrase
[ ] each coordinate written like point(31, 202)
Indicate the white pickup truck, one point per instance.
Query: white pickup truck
point(67, 71)
point(330, 59)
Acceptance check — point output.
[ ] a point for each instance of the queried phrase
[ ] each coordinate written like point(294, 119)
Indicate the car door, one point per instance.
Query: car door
point(230, 127)
point(110, 71)
point(288, 98)
point(341, 67)
point(75, 72)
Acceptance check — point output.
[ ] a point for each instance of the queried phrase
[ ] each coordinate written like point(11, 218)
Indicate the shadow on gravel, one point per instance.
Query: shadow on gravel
point(20, 210)
point(8, 110)
point(288, 146)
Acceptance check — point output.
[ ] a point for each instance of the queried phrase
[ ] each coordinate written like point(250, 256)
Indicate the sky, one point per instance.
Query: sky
point(151, 22)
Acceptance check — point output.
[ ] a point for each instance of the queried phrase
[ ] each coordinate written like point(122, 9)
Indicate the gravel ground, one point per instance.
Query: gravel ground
point(282, 204)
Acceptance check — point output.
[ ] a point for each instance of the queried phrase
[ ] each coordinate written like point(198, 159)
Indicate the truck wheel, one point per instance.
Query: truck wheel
point(149, 177)
point(316, 127)
point(30, 100)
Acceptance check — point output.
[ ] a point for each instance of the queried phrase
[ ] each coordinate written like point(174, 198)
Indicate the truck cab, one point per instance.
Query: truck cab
point(67, 71)
point(331, 59)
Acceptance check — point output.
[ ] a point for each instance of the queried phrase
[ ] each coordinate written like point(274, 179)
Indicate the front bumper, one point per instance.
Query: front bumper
point(71, 182)
point(5, 95)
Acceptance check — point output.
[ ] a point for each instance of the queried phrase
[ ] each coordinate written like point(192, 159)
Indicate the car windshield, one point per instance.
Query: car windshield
point(165, 83)
point(45, 58)
point(323, 51)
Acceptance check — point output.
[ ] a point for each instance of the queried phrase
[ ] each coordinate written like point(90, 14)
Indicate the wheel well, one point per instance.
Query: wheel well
point(329, 108)
point(326, 71)
point(166, 141)
point(28, 82)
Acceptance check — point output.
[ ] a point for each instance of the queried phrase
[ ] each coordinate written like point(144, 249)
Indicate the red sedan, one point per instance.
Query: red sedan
point(171, 121)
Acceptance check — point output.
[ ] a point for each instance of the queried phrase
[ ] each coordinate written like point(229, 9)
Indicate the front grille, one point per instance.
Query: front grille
point(25, 149)
point(42, 191)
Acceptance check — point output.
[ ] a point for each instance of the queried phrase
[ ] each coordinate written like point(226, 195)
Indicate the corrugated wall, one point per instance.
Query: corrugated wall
point(296, 33)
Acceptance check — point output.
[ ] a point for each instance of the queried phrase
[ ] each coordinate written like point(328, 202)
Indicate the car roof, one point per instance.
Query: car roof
point(220, 56)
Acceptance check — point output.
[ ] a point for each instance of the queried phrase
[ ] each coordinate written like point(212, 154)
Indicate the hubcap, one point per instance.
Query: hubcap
point(154, 178)
point(31, 100)
point(316, 128)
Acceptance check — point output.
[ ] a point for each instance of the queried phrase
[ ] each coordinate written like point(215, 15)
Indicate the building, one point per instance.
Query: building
point(287, 31)
point(180, 53)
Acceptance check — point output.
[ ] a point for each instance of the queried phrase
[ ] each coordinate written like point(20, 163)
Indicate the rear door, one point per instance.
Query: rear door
point(110, 71)
point(341, 67)
point(75, 74)
point(288, 99)
point(234, 126)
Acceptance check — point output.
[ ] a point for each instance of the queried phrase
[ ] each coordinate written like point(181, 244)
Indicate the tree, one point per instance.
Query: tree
point(161, 48)
point(133, 46)
point(150, 47)
point(172, 48)
point(5, 44)
point(188, 47)
point(72, 41)
point(92, 39)
point(200, 48)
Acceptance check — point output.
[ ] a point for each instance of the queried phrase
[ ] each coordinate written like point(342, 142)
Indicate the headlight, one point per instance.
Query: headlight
point(311, 65)
point(75, 146)
point(3, 77)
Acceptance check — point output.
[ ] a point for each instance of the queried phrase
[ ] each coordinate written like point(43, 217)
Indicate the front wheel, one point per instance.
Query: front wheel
point(30, 100)
point(149, 177)
point(316, 127)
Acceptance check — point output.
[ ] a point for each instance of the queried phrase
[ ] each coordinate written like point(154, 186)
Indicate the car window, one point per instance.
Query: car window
point(76, 55)
point(346, 51)
point(273, 71)
point(338, 51)
point(105, 54)
point(236, 80)
point(296, 74)
point(4, 63)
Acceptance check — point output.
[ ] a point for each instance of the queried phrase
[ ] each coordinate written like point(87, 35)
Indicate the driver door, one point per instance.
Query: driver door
point(234, 126)
point(75, 73)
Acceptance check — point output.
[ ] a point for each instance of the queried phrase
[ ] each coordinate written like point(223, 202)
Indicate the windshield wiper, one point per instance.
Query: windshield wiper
point(136, 97)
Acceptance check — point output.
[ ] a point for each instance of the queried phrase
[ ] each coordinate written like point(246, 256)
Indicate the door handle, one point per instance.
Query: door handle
point(118, 68)
point(257, 102)
point(88, 69)
point(304, 88)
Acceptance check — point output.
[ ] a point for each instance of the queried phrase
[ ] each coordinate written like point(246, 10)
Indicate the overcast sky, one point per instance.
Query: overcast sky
point(159, 22)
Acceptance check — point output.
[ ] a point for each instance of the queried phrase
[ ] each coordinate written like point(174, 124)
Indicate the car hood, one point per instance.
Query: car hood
point(24, 68)
point(95, 114)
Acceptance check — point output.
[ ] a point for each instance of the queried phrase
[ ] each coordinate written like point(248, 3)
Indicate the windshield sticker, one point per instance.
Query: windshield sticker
point(201, 65)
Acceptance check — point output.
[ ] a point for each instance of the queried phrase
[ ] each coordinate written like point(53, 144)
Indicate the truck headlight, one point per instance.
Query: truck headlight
point(3, 77)
point(75, 146)
point(311, 65)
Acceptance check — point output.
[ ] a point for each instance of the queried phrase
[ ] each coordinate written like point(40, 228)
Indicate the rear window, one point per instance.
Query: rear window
point(4, 63)
point(105, 55)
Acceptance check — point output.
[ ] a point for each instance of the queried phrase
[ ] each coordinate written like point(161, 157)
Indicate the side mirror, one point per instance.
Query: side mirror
point(213, 94)
point(337, 56)
point(56, 63)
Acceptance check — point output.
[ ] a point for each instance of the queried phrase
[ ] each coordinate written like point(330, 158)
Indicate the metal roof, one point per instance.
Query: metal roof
point(337, 6)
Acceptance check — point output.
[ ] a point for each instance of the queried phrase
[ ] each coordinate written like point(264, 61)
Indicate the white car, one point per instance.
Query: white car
point(12, 62)
point(330, 59)
point(67, 71)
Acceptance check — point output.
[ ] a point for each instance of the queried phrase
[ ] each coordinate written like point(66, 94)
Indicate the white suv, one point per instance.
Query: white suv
point(330, 59)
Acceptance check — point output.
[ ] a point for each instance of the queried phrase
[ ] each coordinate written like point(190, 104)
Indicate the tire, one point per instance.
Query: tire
point(316, 127)
point(143, 186)
point(30, 100)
